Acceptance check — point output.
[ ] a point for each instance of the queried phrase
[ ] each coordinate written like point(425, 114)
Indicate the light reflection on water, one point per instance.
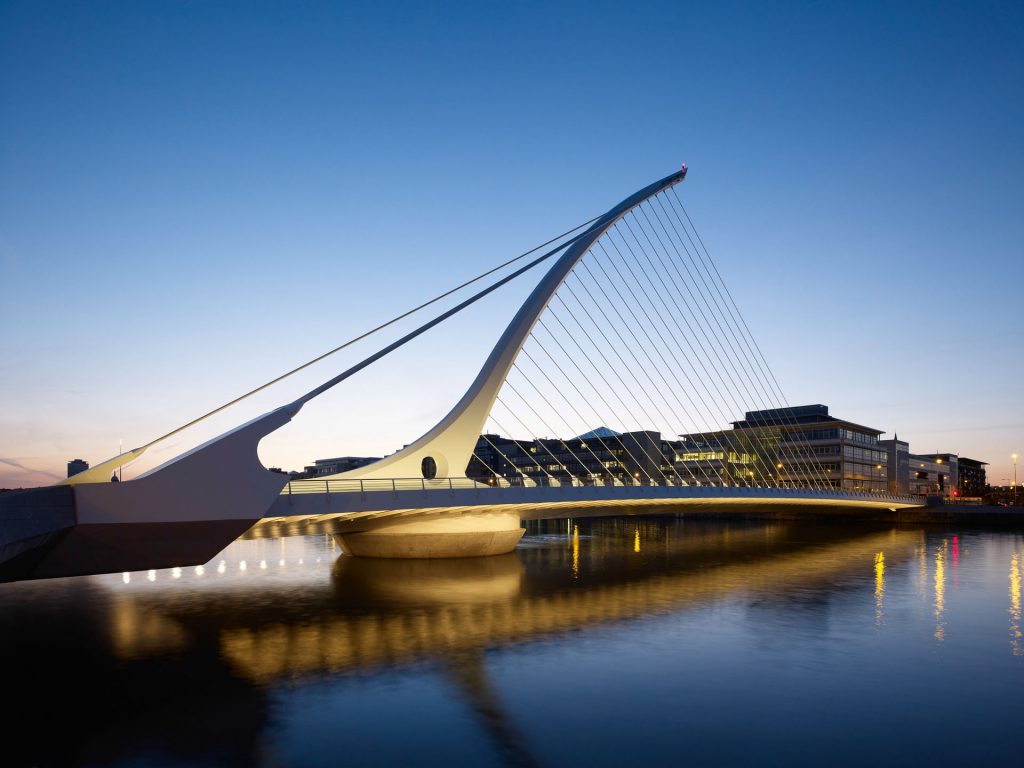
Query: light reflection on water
point(775, 643)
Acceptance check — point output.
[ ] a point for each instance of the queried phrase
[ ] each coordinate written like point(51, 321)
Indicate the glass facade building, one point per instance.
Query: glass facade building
point(784, 447)
point(601, 456)
point(972, 481)
point(789, 447)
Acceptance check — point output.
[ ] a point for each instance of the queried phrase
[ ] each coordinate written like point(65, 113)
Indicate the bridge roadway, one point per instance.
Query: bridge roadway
point(169, 519)
point(453, 517)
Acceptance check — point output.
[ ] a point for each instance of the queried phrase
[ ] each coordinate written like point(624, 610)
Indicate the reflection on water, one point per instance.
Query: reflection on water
point(1015, 604)
point(940, 589)
point(741, 640)
point(879, 585)
point(575, 551)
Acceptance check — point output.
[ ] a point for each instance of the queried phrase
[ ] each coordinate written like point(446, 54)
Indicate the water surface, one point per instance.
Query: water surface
point(607, 642)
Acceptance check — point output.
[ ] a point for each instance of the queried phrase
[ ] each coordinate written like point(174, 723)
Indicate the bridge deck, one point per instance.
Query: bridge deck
point(361, 505)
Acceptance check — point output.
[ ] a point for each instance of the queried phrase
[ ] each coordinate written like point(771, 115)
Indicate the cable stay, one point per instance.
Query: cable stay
point(642, 335)
point(633, 328)
point(99, 471)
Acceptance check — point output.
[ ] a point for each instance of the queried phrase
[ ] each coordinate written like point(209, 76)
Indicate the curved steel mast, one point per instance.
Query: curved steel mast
point(451, 442)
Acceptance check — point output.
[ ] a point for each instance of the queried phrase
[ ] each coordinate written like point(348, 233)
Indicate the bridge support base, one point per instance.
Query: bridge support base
point(461, 536)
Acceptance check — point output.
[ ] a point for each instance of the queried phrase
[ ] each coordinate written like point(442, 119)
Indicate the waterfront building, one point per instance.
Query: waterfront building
point(769, 448)
point(933, 474)
point(972, 481)
point(601, 455)
point(787, 447)
point(322, 467)
point(77, 465)
point(897, 465)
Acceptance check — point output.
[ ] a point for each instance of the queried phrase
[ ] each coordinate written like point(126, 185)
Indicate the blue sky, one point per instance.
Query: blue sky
point(195, 196)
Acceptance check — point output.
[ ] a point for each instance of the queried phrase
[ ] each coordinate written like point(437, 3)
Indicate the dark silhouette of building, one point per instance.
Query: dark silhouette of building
point(972, 477)
point(601, 455)
point(323, 467)
point(77, 465)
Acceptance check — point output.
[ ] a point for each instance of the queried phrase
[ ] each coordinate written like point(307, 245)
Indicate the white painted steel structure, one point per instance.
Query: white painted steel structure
point(452, 441)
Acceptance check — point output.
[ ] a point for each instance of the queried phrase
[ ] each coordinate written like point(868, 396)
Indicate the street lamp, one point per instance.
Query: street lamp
point(1014, 457)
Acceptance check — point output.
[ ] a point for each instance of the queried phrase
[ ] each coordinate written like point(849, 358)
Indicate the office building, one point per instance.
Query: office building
point(771, 448)
point(972, 477)
point(601, 455)
point(897, 464)
point(324, 467)
point(787, 447)
point(933, 474)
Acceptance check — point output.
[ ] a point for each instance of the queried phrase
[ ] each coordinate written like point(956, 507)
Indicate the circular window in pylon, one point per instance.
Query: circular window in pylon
point(428, 467)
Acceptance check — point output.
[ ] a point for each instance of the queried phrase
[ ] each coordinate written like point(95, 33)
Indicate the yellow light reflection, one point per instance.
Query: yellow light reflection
point(879, 585)
point(575, 551)
point(495, 611)
point(636, 540)
point(940, 589)
point(137, 632)
point(922, 569)
point(1015, 634)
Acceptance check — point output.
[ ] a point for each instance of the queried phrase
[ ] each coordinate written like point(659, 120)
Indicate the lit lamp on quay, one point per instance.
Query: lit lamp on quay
point(1014, 457)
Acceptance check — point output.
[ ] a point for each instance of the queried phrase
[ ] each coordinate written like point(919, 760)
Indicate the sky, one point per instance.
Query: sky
point(197, 196)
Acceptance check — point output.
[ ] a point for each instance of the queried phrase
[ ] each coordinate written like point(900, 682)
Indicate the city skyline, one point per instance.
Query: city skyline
point(183, 216)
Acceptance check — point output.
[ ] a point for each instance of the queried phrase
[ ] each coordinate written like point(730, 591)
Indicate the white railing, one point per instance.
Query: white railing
point(378, 485)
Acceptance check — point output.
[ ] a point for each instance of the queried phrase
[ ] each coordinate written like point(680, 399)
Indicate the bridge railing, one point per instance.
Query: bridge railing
point(447, 483)
point(377, 485)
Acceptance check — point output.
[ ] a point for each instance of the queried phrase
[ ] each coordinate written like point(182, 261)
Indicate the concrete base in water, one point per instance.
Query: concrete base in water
point(461, 536)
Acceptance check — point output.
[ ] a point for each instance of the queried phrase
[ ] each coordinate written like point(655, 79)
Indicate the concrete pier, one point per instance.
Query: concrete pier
point(477, 535)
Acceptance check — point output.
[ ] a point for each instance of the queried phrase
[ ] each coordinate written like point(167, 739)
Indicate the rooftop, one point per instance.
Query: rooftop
point(798, 415)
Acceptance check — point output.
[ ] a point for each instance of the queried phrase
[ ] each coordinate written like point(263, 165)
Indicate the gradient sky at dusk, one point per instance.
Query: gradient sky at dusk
point(196, 196)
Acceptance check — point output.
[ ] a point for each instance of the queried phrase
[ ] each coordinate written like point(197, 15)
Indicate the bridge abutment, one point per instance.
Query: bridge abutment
point(454, 536)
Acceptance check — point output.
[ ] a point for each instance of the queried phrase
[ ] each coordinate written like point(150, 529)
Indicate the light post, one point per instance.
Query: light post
point(1014, 457)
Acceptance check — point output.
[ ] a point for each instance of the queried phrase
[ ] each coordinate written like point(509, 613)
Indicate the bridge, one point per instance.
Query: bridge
point(631, 326)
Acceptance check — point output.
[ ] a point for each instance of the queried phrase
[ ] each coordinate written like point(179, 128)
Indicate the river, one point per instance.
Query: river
point(608, 642)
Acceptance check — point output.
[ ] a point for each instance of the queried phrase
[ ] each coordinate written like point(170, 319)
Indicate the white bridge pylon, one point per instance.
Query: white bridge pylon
point(451, 442)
